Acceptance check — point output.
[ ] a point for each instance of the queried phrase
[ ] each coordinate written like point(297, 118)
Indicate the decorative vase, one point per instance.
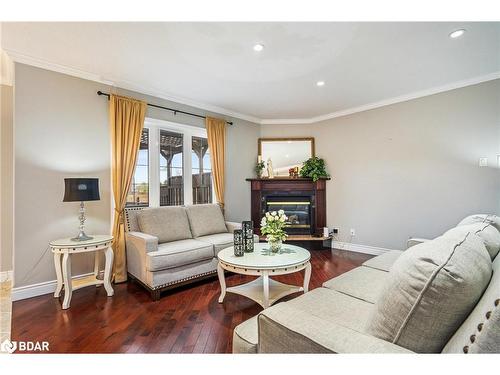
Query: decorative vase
point(247, 228)
point(239, 244)
point(275, 246)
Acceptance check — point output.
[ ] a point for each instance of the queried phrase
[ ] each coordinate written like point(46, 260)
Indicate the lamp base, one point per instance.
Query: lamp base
point(82, 237)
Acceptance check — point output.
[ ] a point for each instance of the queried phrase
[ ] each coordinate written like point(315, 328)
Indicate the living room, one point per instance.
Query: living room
point(250, 187)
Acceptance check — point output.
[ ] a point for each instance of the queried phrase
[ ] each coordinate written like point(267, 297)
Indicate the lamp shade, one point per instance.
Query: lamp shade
point(81, 189)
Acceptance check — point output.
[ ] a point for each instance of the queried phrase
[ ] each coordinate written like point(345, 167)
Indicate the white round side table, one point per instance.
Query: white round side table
point(64, 248)
point(262, 262)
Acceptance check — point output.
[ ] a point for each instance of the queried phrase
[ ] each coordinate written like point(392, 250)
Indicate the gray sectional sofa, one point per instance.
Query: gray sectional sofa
point(438, 296)
point(170, 246)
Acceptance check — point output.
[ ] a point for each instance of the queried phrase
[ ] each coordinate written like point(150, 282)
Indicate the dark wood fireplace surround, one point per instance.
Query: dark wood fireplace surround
point(262, 188)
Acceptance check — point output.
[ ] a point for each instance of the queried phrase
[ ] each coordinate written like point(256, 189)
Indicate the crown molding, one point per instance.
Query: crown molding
point(48, 65)
point(386, 102)
point(43, 64)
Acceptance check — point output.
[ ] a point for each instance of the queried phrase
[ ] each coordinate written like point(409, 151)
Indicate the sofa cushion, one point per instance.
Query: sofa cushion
point(431, 289)
point(166, 223)
point(333, 306)
point(285, 329)
point(206, 219)
point(246, 337)
point(480, 333)
point(384, 261)
point(221, 240)
point(327, 305)
point(178, 253)
point(171, 276)
point(322, 320)
point(482, 218)
point(485, 231)
point(364, 283)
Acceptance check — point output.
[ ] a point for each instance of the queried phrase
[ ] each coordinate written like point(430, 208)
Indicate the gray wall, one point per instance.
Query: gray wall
point(62, 131)
point(6, 180)
point(409, 169)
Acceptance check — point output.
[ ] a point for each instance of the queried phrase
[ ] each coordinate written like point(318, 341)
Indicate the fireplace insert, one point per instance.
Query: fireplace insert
point(298, 209)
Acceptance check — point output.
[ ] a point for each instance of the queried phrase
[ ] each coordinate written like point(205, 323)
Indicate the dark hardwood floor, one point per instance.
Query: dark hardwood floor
point(185, 320)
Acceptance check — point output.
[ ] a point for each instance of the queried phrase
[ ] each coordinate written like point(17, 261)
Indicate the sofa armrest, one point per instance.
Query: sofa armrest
point(285, 329)
point(231, 226)
point(415, 241)
point(141, 241)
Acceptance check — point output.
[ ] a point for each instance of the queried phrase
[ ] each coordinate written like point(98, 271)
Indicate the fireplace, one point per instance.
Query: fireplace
point(303, 200)
point(297, 208)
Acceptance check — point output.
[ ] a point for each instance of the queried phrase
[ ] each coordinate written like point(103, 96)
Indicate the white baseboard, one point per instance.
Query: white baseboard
point(365, 249)
point(5, 276)
point(35, 290)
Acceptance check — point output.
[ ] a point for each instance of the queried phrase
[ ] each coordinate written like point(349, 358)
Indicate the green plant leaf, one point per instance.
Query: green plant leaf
point(314, 168)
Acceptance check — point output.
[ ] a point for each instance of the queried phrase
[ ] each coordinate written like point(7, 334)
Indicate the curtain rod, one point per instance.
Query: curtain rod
point(175, 111)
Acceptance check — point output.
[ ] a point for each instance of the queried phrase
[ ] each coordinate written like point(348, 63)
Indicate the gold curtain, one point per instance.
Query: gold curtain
point(126, 119)
point(216, 131)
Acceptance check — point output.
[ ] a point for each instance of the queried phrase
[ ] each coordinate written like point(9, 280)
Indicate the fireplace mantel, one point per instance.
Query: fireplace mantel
point(262, 188)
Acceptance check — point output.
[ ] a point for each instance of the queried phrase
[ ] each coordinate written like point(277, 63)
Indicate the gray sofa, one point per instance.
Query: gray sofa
point(438, 296)
point(171, 246)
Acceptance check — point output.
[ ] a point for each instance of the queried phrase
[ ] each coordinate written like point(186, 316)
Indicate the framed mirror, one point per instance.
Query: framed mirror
point(285, 153)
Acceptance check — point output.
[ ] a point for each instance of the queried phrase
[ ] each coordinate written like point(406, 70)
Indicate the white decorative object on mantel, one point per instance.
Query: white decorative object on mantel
point(270, 171)
point(64, 248)
point(262, 262)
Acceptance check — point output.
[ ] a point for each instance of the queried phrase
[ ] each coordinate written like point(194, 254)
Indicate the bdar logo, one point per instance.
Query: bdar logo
point(8, 346)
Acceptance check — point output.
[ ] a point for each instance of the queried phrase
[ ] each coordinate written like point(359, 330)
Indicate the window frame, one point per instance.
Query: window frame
point(188, 132)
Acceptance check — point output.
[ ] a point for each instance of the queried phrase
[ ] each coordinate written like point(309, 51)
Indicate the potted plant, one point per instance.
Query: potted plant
point(273, 225)
point(259, 167)
point(314, 168)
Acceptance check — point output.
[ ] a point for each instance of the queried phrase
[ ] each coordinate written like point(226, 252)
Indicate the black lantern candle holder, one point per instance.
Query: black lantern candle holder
point(249, 245)
point(239, 243)
point(247, 228)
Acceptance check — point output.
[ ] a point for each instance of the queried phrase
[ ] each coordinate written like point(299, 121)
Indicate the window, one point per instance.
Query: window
point(138, 194)
point(178, 170)
point(201, 171)
point(171, 169)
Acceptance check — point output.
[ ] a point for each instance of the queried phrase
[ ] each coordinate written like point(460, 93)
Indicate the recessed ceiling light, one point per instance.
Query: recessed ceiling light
point(258, 47)
point(320, 83)
point(457, 33)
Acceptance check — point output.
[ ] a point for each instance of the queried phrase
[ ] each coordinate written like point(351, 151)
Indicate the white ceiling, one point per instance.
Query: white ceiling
point(213, 65)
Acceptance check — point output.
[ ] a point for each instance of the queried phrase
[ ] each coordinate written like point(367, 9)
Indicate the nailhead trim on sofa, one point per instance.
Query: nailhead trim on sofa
point(127, 209)
point(472, 338)
point(185, 279)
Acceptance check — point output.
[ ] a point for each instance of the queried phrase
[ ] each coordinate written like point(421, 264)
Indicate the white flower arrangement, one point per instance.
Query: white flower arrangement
point(273, 225)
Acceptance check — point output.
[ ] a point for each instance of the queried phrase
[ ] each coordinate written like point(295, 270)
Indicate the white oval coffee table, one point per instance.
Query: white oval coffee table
point(261, 262)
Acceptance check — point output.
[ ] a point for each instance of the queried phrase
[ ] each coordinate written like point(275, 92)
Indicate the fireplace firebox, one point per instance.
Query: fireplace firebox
point(303, 200)
point(297, 208)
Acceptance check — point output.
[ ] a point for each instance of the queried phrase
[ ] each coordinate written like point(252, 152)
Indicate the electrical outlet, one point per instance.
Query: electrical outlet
point(353, 232)
point(483, 162)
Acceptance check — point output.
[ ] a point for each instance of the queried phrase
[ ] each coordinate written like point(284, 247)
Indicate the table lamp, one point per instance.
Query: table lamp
point(81, 190)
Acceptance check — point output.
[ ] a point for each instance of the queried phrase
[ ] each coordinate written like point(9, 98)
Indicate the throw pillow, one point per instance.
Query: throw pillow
point(485, 231)
point(166, 223)
point(206, 219)
point(482, 218)
point(431, 289)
